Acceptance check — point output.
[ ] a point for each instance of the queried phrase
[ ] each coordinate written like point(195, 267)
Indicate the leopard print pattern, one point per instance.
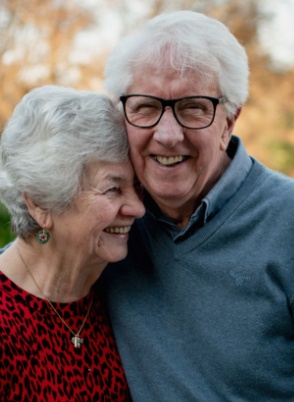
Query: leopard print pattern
point(40, 363)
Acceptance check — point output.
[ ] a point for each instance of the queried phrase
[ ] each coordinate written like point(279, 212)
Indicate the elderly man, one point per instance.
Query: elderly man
point(202, 307)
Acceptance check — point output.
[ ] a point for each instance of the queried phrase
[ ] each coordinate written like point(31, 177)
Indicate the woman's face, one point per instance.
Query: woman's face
point(98, 222)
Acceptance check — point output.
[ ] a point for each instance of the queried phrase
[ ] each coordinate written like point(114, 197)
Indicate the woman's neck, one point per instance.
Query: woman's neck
point(58, 277)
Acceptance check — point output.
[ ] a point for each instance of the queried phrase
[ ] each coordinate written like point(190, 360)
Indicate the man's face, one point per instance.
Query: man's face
point(176, 165)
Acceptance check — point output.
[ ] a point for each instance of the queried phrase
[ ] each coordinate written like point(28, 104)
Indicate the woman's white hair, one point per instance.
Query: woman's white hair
point(46, 146)
point(184, 40)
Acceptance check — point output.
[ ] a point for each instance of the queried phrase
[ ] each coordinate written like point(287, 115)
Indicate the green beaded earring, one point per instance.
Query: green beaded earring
point(43, 236)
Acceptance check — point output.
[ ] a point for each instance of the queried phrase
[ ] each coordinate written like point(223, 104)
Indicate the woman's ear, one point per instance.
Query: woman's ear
point(40, 215)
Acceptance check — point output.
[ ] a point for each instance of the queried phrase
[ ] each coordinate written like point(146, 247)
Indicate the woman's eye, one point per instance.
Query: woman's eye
point(112, 190)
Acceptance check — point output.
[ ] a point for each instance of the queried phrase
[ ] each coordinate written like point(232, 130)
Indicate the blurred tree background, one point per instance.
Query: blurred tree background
point(66, 42)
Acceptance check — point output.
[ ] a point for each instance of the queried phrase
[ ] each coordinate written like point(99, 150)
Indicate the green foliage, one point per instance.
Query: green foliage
point(5, 232)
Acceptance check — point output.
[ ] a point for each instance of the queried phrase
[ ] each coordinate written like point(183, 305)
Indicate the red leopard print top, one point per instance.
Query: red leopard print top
point(38, 361)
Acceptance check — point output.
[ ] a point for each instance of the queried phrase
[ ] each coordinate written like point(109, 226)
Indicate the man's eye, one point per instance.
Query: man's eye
point(150, 105)
point(145, 108)
point(192, 105)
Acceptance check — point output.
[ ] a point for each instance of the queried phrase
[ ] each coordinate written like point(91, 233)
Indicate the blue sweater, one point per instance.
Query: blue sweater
point(208, 316)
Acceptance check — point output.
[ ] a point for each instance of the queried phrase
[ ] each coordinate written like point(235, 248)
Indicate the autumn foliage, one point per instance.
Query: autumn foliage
point(37, 38)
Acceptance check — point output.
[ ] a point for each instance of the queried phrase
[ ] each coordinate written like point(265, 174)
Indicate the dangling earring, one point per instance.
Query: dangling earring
point(43, 236)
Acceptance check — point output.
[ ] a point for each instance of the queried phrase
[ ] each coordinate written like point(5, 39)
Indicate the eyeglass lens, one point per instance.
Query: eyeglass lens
point(144, 111)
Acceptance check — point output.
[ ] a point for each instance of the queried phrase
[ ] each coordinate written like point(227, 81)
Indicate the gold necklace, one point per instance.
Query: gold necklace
point(76, 340)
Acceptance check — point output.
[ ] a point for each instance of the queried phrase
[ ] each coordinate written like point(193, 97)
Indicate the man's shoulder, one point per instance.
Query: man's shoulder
point(272, 177)
point(273, 190)
point(2, 249)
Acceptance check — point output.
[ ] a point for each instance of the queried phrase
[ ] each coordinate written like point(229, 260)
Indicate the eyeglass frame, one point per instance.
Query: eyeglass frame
point(171, 103)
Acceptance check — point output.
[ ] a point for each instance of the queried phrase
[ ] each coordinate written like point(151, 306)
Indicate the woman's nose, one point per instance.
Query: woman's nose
point(133, 206)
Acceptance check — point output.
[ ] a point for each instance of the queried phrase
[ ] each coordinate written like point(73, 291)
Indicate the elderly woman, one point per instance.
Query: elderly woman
point(67, 181)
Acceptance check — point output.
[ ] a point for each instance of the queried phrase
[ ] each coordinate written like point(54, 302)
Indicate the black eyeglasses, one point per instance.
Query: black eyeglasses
point(194, 112)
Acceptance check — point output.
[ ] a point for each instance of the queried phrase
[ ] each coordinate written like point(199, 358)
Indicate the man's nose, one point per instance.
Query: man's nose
point(168, 131)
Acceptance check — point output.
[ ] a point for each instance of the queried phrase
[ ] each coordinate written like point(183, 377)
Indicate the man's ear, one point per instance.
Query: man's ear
point(228, 130)
point(40, 215)
point(231, 121)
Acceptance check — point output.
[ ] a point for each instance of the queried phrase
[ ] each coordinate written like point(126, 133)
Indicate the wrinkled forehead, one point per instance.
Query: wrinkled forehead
point(102, 171)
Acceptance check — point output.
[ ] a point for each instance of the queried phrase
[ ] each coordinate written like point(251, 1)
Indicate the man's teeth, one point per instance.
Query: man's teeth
point(169, 160)
point(118, 230)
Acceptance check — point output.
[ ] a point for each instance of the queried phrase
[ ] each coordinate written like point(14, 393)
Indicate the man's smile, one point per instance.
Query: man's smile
point(169, 160)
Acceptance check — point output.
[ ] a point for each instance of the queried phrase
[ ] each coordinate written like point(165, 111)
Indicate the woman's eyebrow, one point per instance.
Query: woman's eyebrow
point(115, 178)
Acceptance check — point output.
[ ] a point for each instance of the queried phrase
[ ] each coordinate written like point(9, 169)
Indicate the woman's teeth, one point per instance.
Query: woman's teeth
point(118, 230)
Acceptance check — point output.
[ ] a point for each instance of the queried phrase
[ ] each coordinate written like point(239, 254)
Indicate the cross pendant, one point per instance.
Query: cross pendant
point(77, 341)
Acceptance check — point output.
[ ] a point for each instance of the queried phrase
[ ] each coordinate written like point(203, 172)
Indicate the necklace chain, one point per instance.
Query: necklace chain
point(76, 340)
